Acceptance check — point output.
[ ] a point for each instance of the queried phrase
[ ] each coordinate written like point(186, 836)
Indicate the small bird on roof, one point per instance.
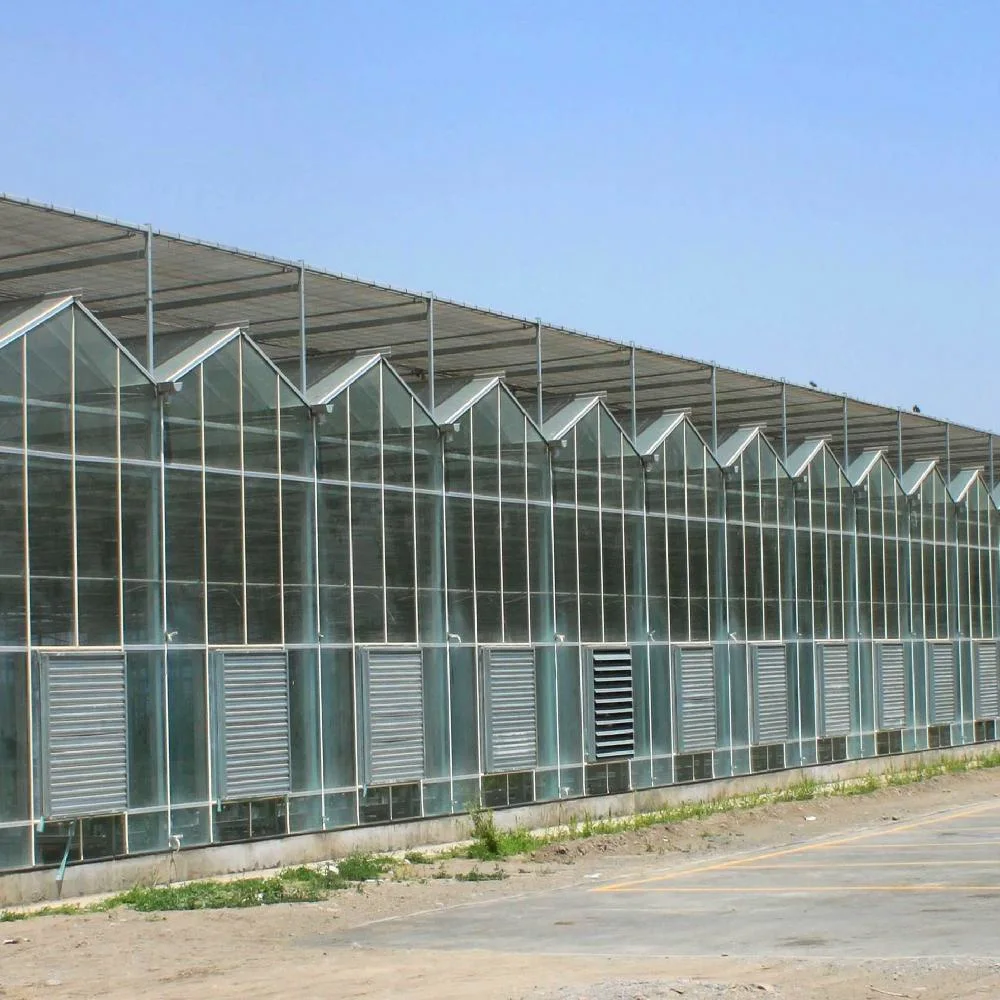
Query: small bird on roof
point(813, 384)
point(916, 409)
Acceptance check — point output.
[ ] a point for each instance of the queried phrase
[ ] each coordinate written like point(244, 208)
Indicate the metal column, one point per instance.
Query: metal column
point(538, 372)
point(992, 481)
point(899, 443)
point(631, 380)
point(150, 360)
point(784, 421)
point(303, 373)
point(847, 453)
point(947, 451)
point(430, 351)
point(715, 409)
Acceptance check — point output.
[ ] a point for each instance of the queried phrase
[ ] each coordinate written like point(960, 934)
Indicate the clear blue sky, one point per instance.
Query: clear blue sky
point(808, 190)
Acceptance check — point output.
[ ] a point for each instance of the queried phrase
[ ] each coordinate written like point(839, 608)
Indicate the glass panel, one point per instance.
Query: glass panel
point(486, 445)
point(221, 392)
point(182, 423)
point(139, 413)
point(51, 551)
point(147, 744)
point(296, 434)
point(188, 728)
point(365, 393)
point(185, 555)
point(224, 526)
point(515, 572)
point(587, 462)
point(461, 595)
point(512, 437)
point(304, 720)
point(297, 525)
point(15, 760)
point(12, 584)
point(48, 359)
point(399, 567)
point(332, 442)
point(464, 699)
point(263, 559)
point(338, 718)
point(430, 562)
point(97, 553)
point(611, 456)
point(96, 360)
point(366, 529)
point(260, 416)
point(487, 550)
point(334, 563)
point(12, 394)
point(397, 424)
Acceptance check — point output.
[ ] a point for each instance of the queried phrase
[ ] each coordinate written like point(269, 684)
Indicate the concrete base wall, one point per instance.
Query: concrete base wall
point(203, 862)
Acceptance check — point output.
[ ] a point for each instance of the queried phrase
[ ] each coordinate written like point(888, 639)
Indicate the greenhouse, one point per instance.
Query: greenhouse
point(286, 552)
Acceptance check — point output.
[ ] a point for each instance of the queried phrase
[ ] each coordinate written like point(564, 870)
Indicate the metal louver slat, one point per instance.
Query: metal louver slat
point(394, 720)
point(835, 689)
point(770, 694)
point(85, 761)
point(253, 726)
point(891, 664)
point(942, 683)
point(509, 709)
point(696, 714)
point(987, 691)
point(612, 700)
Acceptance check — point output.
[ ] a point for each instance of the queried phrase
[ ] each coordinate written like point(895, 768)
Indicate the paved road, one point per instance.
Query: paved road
point(929, 887)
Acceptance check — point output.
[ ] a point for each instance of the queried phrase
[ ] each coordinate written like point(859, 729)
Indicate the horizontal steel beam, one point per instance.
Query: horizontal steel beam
point(346, 326)
point(59, 247)
point(107, 301)
point(78, 264)
point(195, 301)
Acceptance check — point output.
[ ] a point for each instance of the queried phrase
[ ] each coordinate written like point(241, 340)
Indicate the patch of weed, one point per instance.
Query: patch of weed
point(475, 875)
point(65, 909)
point(364, 867)
point(418, 858)
point(490, 843)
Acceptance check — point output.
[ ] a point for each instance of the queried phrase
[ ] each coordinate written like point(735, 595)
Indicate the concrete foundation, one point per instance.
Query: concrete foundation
point(203, 862)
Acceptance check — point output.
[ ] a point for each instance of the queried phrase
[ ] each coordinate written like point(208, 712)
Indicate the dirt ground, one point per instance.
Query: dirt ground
point(305, 950)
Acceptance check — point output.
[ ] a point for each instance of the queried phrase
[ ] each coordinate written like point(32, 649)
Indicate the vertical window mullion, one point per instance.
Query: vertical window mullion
point(72, 480)
point(381, 499)
point(118, 498)
point(281, 510)
point(243, 485)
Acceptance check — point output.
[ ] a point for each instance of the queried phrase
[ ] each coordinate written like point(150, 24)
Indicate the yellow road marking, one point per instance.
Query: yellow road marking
point(920, 845)
point(803, 848)
point(779, 890)
point(985, 863)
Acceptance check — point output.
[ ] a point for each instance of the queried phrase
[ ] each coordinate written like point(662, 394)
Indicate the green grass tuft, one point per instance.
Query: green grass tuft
point(475, 875)
point(490, 843)
point(364, 867)
point(418, 858)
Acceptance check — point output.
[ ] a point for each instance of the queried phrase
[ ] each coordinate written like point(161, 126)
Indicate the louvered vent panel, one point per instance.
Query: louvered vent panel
point(942, 683)
point(509, 709)
point(85, 758)
point(255, 759)
point(395, 723)
point(696, 699)
point(835, 681)
point(614, 718)
point(987, 693)
point(770, 694)
point(891, 664)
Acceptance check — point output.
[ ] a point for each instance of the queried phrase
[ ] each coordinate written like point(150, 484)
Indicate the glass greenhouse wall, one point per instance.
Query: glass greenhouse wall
point(231, 611)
